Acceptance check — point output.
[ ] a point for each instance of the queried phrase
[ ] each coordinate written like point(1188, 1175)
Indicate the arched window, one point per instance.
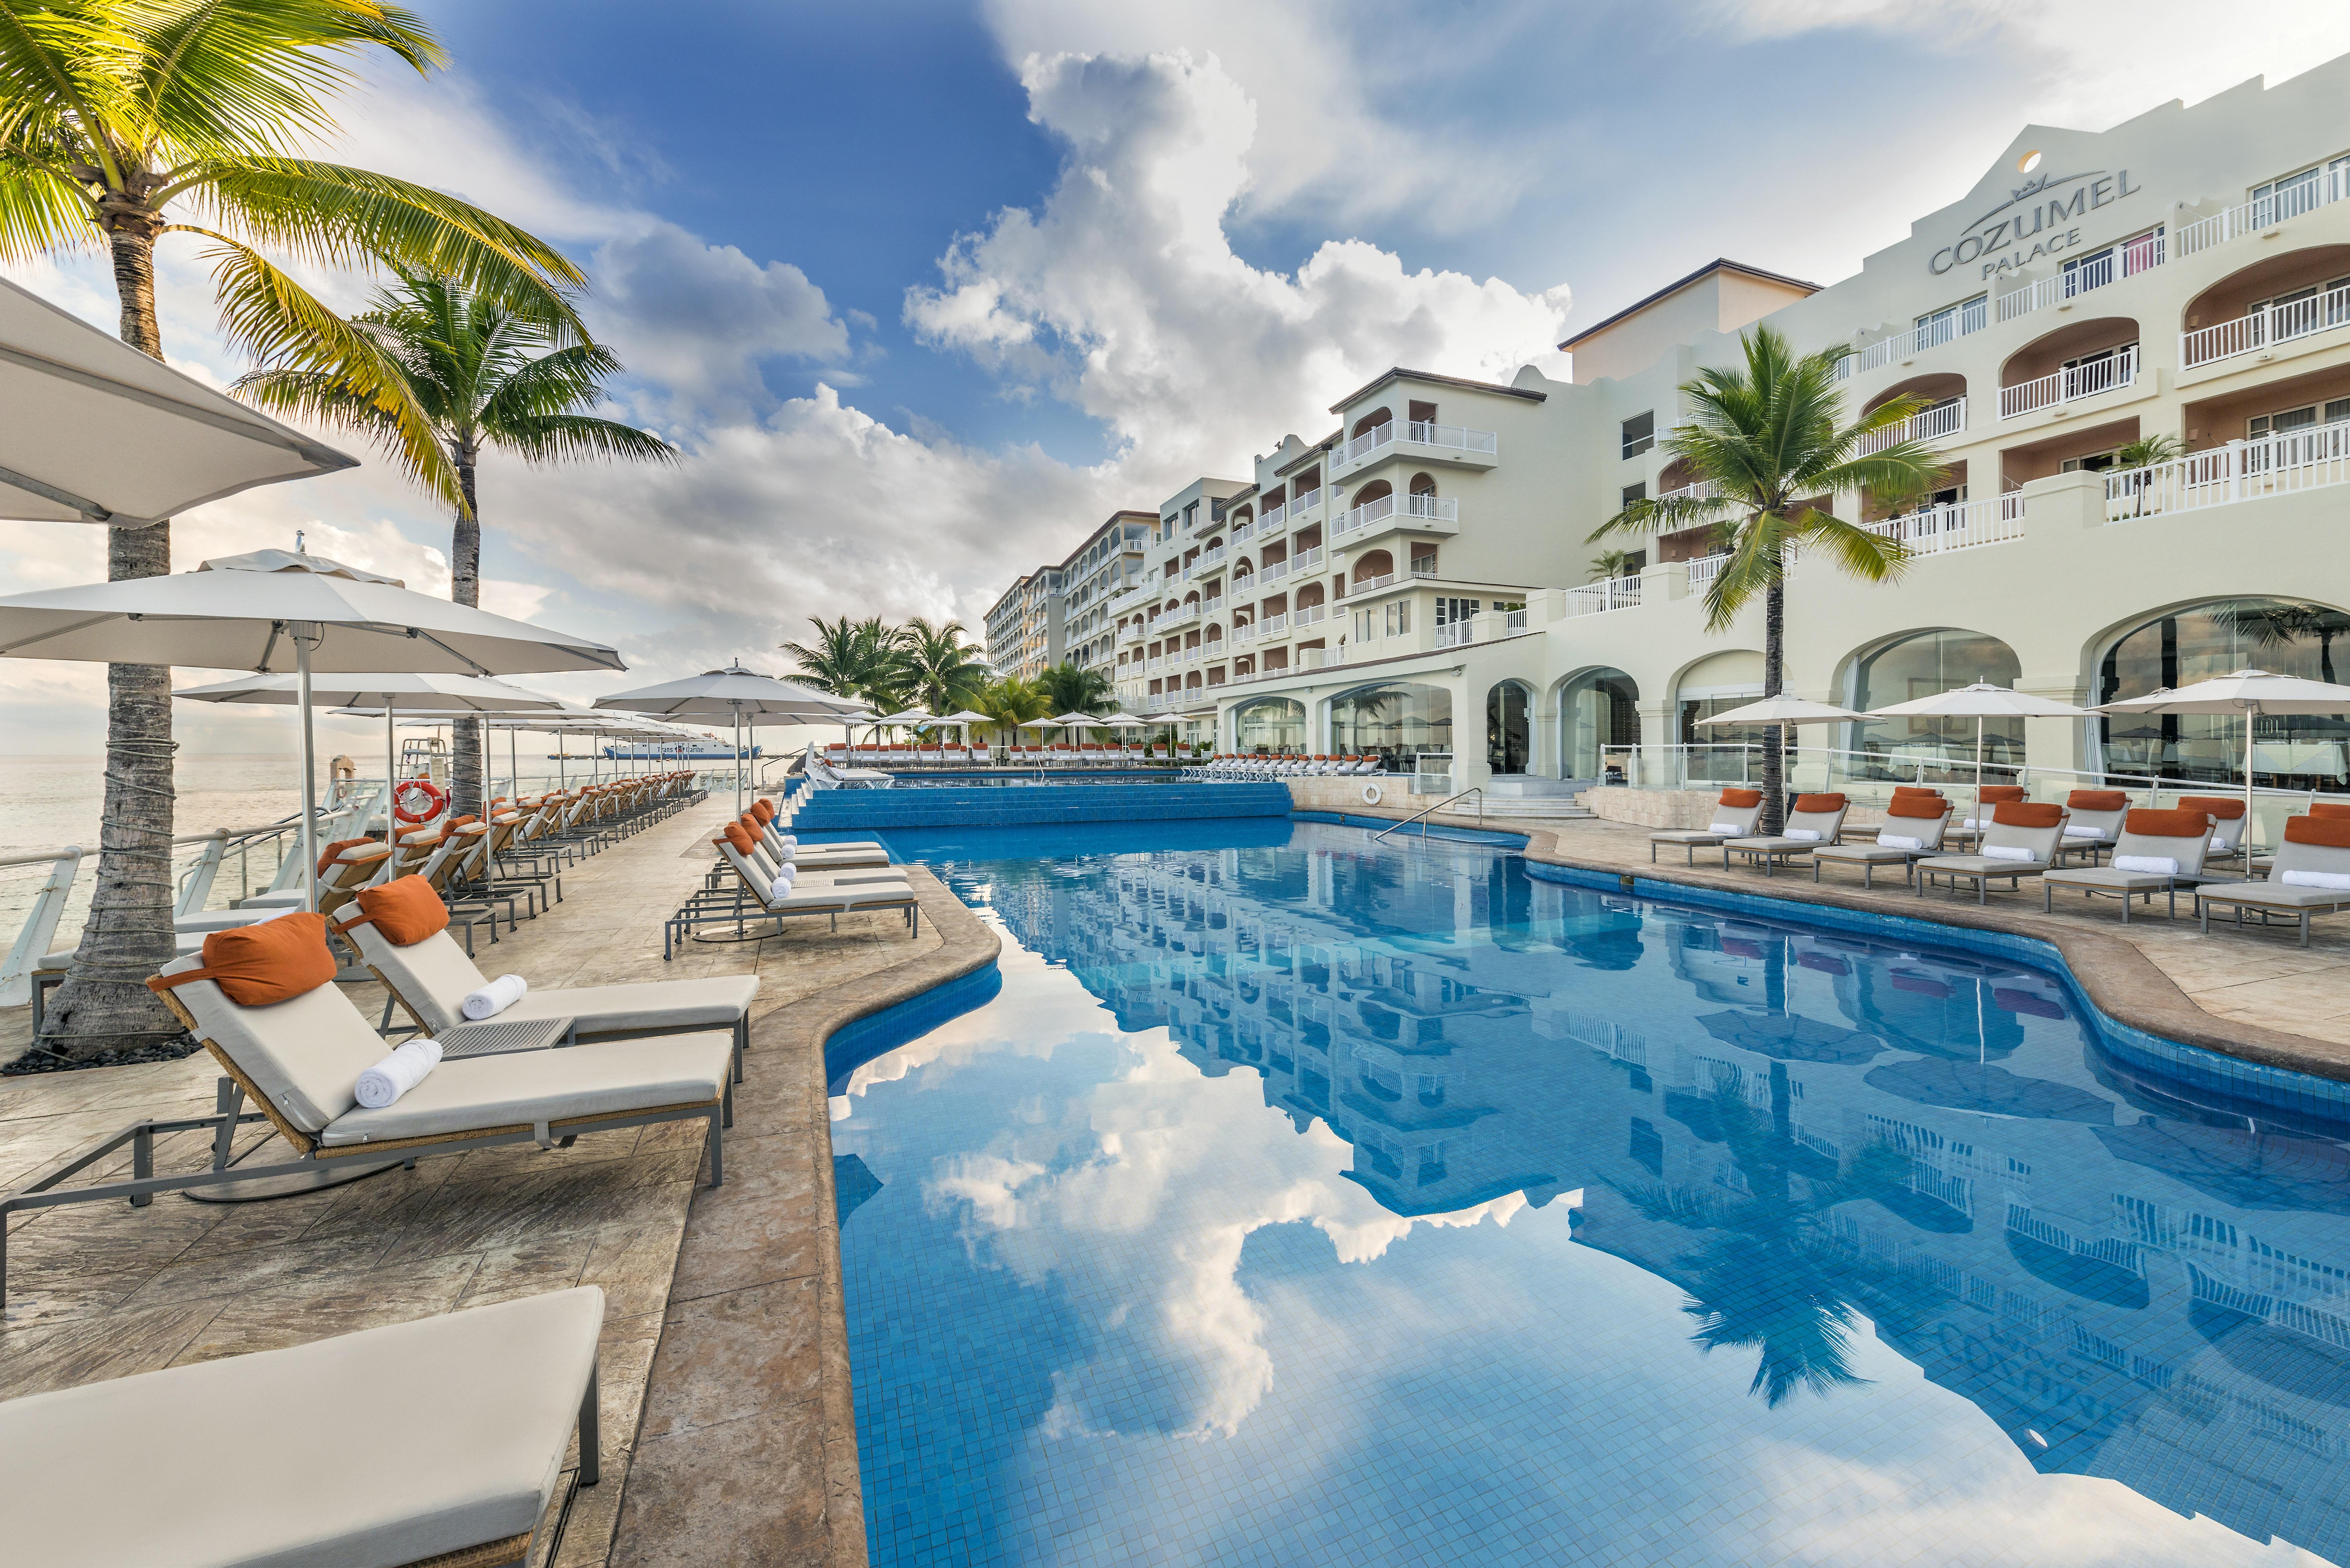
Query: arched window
point(1597, 709)
point(1921, 665)
point(1508, 733)
point(1395, 723)
point(2284, 637)
point(1269, 724)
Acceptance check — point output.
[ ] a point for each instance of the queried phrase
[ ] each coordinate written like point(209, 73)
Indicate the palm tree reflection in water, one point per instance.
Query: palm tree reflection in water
point(1773, 1278)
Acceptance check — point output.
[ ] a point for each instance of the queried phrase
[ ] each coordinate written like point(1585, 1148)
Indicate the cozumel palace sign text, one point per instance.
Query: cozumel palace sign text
point(2037, 220)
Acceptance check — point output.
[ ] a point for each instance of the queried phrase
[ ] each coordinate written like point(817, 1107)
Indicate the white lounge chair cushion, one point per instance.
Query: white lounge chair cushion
point(461, 1421)
point(305, 1055)
point(2276, 894)
point(1858, 852)
point(650, 1004)
point(207, 921)
point(876, 895)
point(477, 1093)
point(291, 899)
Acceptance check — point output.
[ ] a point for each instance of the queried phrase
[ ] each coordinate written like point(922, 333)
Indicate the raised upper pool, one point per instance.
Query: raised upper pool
point(1302, 1200)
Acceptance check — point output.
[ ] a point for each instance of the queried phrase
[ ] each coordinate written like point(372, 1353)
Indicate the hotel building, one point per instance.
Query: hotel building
point(1058, 613)
point(1418, 583)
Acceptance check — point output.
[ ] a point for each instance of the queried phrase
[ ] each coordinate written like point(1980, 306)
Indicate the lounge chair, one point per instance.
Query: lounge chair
point(1735, 816)
point(1912, 831)
point(297, 1046)
point(2029, 831)
point(461, 1423)
point(755, 898)
point(1816, 821)
point(429, 977)
point(2155, 851)
point(1977, 821)
point(2309, 875)
point(2094, 824)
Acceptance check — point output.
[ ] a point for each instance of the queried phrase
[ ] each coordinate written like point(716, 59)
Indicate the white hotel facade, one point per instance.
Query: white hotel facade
point(1418, 583)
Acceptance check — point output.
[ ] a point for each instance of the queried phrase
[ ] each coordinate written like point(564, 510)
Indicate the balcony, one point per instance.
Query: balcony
point(1272, 520)
point(1212, 606)
point(1130, 634)
point(1155, 665)
point(1599, 598)
point(1428, 514)
point(1905, 345)
point(2091, 272)
point(1211, 559)
point(1182, 614)
point(1704, 490)
point(1375, 585)
point(2290, 199)
point(1244, 632)
point(1312, 615)
point(1320, 658)
point(2311, 458)
point(1273, 571)
point(1306, 560)
point(2084, 380)
point(1458, 442)
point(1927, 424)
point(2278, 324)
point(1938, 530)
point(1304, 500)
point(1273, 626)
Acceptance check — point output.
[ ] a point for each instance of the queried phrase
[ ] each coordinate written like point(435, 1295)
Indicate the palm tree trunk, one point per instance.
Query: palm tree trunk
point(1775, 663)
point(104, 1005)
point(466, 587)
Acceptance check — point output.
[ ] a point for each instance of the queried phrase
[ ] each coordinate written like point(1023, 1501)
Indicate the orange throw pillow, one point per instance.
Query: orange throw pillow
point(741, 840)
point(1925, 805)
point(1992, 794)
point(1900, 790)
point(764, 810)
point(2027, 813)
point(1742, 799)
point(1822, 803)
point(2333, 832)
point(405, 911)
point(2097, 800)
point(2167, 824)
point(327, 855)
point(2322, 810)
point(2227, 808)
point(257, 966)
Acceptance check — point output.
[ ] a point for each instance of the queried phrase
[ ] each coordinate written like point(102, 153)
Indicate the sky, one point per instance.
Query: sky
point(926, 291)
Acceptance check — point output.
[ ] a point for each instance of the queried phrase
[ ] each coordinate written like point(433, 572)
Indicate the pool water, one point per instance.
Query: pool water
point(1304, 1200)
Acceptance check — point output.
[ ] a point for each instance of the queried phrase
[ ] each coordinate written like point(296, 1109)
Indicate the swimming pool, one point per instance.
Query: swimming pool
point(1304, 1200)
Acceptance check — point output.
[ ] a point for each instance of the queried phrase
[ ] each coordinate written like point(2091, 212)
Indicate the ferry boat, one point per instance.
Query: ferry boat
point(703, 751)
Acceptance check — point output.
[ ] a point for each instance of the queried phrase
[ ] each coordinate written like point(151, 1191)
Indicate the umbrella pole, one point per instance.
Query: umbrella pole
point(1979, 725)
point(304, 634)
point(513, 763)
point(2249, 710)
point(738, 759)
point(391, 772)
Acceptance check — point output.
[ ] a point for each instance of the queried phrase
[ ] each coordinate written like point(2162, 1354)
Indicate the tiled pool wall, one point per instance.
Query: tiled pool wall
point(862, 1040)
point(849, 810)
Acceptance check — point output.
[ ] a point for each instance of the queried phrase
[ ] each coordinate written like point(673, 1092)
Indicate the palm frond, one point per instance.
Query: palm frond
point(1871, 557)
point(42, 210)
point(558, 438)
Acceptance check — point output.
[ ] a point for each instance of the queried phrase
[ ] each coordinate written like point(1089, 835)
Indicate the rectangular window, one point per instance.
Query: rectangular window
point(1639, 433)
point(1363, 632)
point(2288, 198)
point(2085, 273)
point(1449, 611)
point(1936, 327)
point(1634, 493)
point(1191, 515)
point(2142, 253)
point(1399, 619)
point(1215, 511)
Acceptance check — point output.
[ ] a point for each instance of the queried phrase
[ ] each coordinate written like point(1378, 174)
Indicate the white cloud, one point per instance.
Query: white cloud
point(1123, 294)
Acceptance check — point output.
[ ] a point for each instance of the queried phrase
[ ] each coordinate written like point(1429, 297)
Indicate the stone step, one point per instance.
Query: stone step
point(1532, 806)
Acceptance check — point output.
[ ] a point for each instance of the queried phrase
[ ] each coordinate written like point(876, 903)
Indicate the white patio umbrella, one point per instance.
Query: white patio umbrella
point(734, 693)
point(2248, 693)
point(1784, 710)
point(1124, 721)
point(389, 695)
point(967, 718)
point(99, 432)
point(295, 612)
point(1981, 702)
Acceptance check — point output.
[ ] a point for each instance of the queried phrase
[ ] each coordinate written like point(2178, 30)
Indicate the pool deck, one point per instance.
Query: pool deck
point(727, 1424)
point(2251, 993)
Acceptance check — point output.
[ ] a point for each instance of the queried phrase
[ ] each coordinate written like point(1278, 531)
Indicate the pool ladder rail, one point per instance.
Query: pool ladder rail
point(1419, 816)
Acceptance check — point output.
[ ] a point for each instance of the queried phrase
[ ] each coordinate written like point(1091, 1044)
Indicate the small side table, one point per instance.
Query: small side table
point(500, 1036)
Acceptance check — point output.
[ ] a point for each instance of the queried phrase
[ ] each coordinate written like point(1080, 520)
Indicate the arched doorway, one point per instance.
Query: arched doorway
point(1509, 732)
point(1921, 665)
point(2284, 637)
point(1395, 723)
point(1269, 724)
point(1596, 709)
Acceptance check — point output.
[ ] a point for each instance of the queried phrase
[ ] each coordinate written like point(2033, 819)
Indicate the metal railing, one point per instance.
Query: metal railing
point(2124, 260)
point(2084, 380)
point(1960, 525)
point(1598, 599)
point(1971, 316)
point(1421, 816)
point(1415, 509)
point(1417, 432)
point(2280, 323)
point(1925, 424)
point(1303, 501)
point(2308, 459)
point(2290, 199)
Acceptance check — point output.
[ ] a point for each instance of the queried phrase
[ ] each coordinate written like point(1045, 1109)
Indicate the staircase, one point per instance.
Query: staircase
point(1528, 797)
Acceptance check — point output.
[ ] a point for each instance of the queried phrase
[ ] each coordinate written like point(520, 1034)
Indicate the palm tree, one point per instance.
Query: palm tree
point(2130, 461)
point(861, 659)
point(1013, 702)
point(1076, 689)
point(437, 373)
point(119, 123)
point(1613, 564)
point(1769, 441)
point(943, 671)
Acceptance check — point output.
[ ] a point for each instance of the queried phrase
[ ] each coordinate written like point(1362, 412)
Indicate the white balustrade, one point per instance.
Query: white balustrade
point(1927, 424)
point(1308, 616)
point(1598, 599)
point(1273, 625)
point(1412, 509)
point(1274, 571)
point(2308, 459)
point(2083, 381)
point(1305, 501)
point(1419, 432)
point(2278, 324)
point(1962, 526)
point(1271, 518)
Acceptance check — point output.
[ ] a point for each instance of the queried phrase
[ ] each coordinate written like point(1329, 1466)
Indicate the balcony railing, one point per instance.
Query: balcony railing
point(1244, 632)
point(1417, 432)
point(1412, 509)
point(1270, 517)
point(1598, 599)
point(1361, 586)
point(1272, 625)
point(1305, 501)
point(1306, 560)
point(1963, 525)
point(1972, 316)
point(2277, 324)
point(1927, 424)
point(2126, 260)
point(1312, 615)
point(1274, 571)
point(1213, 558)
point(2307, 459)
point(1702, 490)
point(2084, 380)
point(1210, 606)
point(1453, 634)
point(2264, 213)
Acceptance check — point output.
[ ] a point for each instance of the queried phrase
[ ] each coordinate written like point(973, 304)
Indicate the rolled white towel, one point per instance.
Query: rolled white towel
point(397, 1074)
point(2217, 842)
point(1727, 829)
point(786, 872)
point(493, 998)
point(2147, 865)
point(1897, 841)
point(788, 840)
point(2072, 832)
point(1808, 835)
point(2335, 880)
point(1976, 824)
point(2007, 852)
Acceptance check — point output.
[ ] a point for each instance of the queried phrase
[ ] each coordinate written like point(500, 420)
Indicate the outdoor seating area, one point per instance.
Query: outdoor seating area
point(1252, 768)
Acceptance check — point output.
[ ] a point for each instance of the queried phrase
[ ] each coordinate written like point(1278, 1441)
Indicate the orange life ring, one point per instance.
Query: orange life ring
point(404, 796)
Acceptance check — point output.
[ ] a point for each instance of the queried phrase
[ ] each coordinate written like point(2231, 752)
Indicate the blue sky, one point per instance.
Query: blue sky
point(926, 291)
